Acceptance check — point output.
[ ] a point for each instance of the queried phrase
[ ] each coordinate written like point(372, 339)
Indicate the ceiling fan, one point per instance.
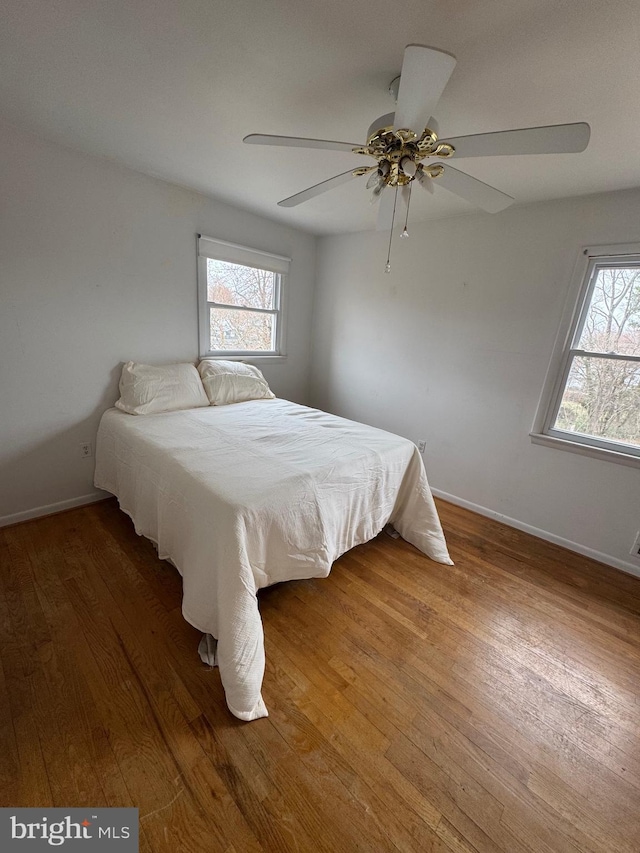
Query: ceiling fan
point(407, 150)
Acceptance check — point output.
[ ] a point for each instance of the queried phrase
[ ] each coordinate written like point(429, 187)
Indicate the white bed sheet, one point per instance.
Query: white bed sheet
point(243, 496)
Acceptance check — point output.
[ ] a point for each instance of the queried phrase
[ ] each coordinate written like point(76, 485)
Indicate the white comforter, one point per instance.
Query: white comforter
point(242, 496)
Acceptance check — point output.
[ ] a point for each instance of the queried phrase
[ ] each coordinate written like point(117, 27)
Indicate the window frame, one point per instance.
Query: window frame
point(215, 249)
point(566, 349)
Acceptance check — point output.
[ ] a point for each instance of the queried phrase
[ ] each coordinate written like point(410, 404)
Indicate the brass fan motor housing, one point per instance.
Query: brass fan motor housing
point(390, 146)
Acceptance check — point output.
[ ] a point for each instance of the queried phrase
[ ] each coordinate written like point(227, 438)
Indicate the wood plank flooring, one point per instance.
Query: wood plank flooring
point(491, 707)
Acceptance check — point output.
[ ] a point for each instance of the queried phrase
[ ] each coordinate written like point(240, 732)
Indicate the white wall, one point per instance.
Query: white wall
point(453, 347)
point(97, 266)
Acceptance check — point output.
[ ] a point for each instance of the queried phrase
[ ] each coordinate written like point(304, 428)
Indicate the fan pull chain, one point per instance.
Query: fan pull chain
point(393, 219)
point(405, 233)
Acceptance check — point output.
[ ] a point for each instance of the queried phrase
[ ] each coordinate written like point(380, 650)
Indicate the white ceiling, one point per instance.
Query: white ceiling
point(170, 87)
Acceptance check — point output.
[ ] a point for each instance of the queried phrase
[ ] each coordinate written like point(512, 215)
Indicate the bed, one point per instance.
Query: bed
point(239, 497)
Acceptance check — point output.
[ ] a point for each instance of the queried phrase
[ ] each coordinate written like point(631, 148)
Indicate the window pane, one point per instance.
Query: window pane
point(232, 284)
point(602, 399)
point(613, 321)
point(241, 330)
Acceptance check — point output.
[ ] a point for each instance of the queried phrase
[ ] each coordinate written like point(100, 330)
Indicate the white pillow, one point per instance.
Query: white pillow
point(146, 389)
point(232, 382)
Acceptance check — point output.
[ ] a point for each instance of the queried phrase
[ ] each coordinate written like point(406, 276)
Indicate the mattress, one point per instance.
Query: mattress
point(243, 496)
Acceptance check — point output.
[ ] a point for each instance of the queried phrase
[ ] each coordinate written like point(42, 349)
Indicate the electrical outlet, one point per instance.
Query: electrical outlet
point(635, 548)
point(422, 445)
point(86, 450)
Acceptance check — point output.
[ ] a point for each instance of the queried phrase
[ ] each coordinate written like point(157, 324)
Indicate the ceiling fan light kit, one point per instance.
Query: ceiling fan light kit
point(407, 148)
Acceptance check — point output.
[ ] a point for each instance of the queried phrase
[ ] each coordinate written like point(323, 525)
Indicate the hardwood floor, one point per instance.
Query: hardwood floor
point(492, 706)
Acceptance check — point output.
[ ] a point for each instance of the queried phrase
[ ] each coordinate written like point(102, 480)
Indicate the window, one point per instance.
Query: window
point(240, 299)
point(595, 401)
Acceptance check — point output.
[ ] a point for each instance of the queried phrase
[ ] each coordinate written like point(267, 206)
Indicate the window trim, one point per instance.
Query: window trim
point(212, 247)
point(575, 313)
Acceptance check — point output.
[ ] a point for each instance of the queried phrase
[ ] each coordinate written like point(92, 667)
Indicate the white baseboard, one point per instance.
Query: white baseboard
point(623, 565)
point(50, 509)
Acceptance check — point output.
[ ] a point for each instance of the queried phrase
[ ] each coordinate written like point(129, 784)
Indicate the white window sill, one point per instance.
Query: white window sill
point(262, 359)
point(586, 449)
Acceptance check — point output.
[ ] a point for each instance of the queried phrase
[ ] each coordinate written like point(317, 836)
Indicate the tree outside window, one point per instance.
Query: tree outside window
point(242, 307)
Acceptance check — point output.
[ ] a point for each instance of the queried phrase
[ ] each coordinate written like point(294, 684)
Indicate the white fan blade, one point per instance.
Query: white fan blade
point(317, 189)
point(554, 139)
point(425, 73)
point(473, 190)
point(385, 211)
point(298, 142)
